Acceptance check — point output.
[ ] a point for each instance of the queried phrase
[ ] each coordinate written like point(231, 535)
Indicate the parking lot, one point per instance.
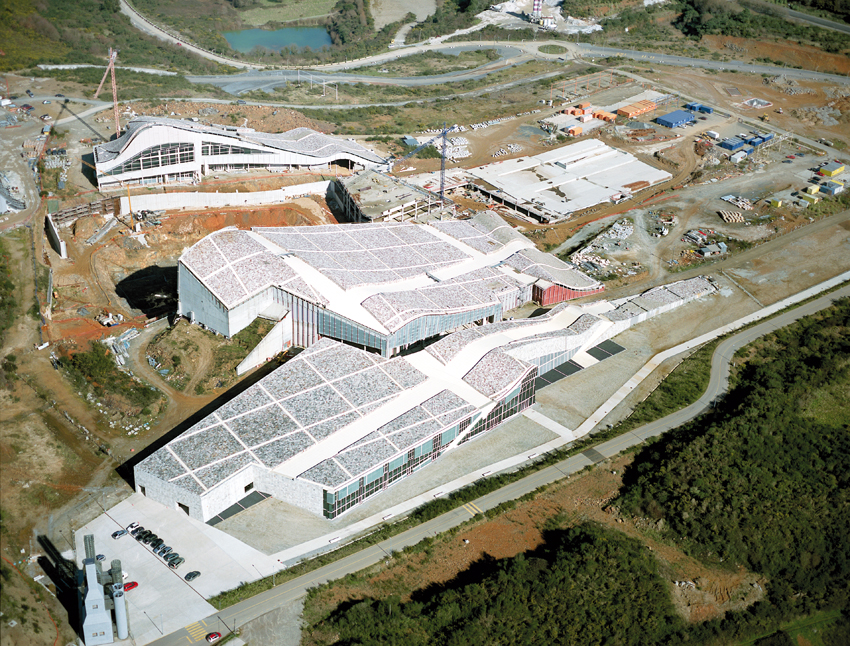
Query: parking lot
point(164, 601)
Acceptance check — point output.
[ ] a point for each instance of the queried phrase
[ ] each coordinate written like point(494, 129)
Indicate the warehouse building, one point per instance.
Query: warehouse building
point(552, 185)
point(383, 286)
point(675, 119)
point(832, 169)
point(155, 150)
point(337, 425)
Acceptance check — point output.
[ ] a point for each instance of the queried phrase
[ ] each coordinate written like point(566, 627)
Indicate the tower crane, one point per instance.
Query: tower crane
point(113, 54)
point(391, 161)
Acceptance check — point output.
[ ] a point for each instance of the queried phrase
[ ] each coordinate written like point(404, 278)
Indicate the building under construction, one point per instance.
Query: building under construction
point(371, 196)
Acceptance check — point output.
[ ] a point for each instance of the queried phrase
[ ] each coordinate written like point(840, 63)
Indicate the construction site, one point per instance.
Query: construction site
point(278, 304)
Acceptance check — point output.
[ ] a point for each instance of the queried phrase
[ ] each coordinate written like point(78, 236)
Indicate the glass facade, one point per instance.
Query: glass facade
point(340, 501)
point(209, 148)
point(156, 156)
point(518, 400)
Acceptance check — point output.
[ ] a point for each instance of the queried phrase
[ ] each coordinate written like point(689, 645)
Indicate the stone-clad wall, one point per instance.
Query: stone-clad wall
point(169, 494)
point(305, 495)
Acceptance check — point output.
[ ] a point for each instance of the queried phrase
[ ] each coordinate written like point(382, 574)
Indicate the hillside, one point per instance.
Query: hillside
point(760, 485)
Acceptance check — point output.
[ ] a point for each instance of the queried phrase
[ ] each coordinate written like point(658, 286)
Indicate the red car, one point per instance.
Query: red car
point(130, 585)
point(791, 157)
point(213, 637)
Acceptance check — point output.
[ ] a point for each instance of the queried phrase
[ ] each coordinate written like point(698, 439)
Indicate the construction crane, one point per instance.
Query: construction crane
point(391, 161)
point(113, 54)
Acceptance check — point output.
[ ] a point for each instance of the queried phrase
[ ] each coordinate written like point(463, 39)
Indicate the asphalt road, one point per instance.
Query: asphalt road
point(815, 20)
point(232, 618)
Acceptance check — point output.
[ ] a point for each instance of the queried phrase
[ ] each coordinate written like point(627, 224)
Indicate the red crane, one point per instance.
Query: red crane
point(113, 54)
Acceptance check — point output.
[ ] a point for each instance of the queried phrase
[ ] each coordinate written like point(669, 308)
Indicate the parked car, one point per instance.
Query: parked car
point(100, 557)
point(164, 550)
point(138, 529)
point(132, 526)
point(45, 102)
point(119, 534)
point(130, 585)
point(176, 563)
point(150, 538)
point(192, 575)
point(171, 557)
point(241, 102)
point(212, 638)
point(60, 96)
point(155, 545)
point(141, 536)
point(29, 93)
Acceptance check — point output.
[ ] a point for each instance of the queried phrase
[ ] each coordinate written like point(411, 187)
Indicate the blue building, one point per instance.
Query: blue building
point(675, 119)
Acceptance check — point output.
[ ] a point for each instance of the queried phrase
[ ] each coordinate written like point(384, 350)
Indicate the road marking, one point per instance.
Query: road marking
point(196, 632)
point(472, 508)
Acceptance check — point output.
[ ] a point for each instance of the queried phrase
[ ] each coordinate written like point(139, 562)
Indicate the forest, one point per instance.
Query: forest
point(81, 31)
point(702, 17)
point(559, 594)
point(763, 482)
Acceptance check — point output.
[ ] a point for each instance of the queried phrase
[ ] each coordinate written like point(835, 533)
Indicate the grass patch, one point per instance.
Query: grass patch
point(680, 388)
point(552, 49)
point(285, 11)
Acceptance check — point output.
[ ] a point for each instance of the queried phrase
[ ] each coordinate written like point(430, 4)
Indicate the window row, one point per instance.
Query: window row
point(209, 148)
point(156, 156)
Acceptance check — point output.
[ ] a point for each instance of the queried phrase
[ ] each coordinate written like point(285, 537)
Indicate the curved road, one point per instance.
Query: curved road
point(235, 616)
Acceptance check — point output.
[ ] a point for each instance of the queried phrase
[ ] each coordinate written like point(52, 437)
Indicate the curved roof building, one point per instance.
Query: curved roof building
point(336, 424)
point(154, 150)
point(382, 285)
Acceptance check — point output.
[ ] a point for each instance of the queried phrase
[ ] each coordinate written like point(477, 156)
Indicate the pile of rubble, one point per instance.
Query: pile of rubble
point(789, 86)
point(825, 116)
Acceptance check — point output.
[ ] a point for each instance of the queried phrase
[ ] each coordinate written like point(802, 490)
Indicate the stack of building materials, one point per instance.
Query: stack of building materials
point(740, 202)
point(731, 216)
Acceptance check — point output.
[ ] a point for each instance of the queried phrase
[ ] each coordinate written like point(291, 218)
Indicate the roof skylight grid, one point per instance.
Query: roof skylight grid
point(208, 446)
point(212, 475)
point(280, 450)
point(363, 458)
point(494, 372)
point(261, 425)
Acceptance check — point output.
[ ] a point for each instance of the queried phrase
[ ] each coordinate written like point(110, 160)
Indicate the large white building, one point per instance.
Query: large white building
point(337, 424)
point(554, 184)
point(155, 150)
point(383, 286)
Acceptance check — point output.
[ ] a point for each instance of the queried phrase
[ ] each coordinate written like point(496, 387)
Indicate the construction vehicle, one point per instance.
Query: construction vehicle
point(113, 54)
point(765, 117)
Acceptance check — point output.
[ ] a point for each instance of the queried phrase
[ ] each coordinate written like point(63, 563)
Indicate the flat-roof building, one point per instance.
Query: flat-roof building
point(675, 119)
point(155, 150)
point(336, 424)
point(552, 185)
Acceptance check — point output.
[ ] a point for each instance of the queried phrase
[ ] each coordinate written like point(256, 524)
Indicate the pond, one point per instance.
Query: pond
point(247, 39)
